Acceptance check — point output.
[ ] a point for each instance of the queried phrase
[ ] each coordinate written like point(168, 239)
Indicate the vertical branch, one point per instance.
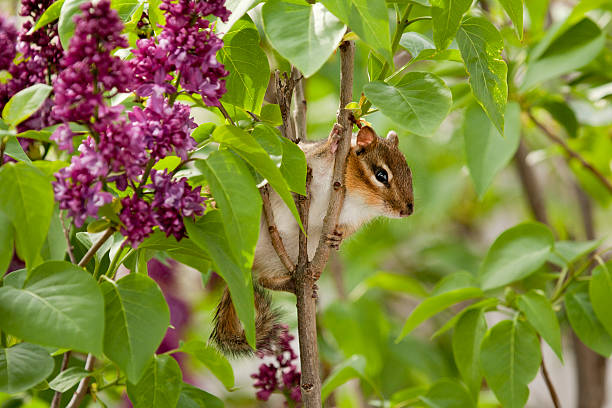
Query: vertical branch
point(533, 192)
point(299, 113)
point(81, 390)
point(284, 92)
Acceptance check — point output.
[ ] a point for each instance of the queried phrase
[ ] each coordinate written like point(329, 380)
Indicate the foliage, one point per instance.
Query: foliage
point(148, 126)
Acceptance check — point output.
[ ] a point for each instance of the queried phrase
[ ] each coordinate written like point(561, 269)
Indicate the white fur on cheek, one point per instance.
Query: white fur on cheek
point(355, 212)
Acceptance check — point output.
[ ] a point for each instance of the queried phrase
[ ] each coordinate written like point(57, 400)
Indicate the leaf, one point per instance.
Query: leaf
point(23, 366)
point(600, 293)
point(203, 132)
point(467, 338)
point(59, 305)
point(487, 151)
point(88, 240)
point(248, 67)
point(368, 19)
point(55, 245)
point(583, 320)
point(247, 147)
point(184, 251)
point(447, 393)
point(419, 101)
point(27, 200)
point(481, 44)
point(66, 24)
point(126, 8)
point(567, 252)
point(159, 387)
point(14, 149)
point(271, 114)
point(446, 16)
point(392, 282)
point(354, 367)
point(211, 358)
point(51, 14)
point(434, 305)
point(562, 113)
point(24, 103)
point(36, 134)
point(136, 320)
point(293, 161)
point(209, 234)
point(7, 238)
point(516, 253)
point(305, 34)
point(485, 304)
point(238, 199)
point(514, 8)
point(68, 378)
point(237, 8)
point(573, 49)
point(510, 358)
point(415, 43)
point(542, 317)
point(192, 397)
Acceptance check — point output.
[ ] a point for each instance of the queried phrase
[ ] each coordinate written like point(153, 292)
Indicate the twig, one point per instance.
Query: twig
point(533, 192)
point(299, 113)
point(225, 114)
point(57, 397)
point(92, 251)
point(81, 390)
point(347, 52)
point(571, 152)
point(550, 386)
point(67, 236)
point(284, 91)
point(275, 238)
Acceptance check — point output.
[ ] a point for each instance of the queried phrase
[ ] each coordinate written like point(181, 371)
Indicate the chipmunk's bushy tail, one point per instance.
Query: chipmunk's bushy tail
point(228, 332)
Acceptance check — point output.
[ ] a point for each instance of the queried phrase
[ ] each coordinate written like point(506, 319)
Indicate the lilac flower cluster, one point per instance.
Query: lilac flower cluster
point(118, 150)
point(8, 40)
point(187, 46)
point(282, 375)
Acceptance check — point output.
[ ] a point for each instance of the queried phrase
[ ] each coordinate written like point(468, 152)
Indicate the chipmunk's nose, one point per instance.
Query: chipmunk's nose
point(407, 211)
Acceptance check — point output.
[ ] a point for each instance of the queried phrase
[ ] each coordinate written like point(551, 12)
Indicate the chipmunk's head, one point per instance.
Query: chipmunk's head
point(377, 170)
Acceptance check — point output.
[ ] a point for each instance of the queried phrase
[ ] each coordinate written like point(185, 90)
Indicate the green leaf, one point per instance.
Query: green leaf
point(248, 67)
point(271, 114)
point(237, 197)
point(23, 366)
point(600, 293)
point(573, 49)
point(65, 26)
point(14, 149)
point(209, 234)
point(368, 19)
point(392, 282)
point(305, 34)
point(159, 387)
point(126, 8)
point(542, 317)
point(293, 161)
point(89, 239)
point(419, 101)
point(59, 305)
point(7, 238)
point(68, 378)
point(24, 103)
point(510, 358)
point(560, 110)
point(184, 251)
point(514, 8)
point(51, 14)
point(567, 252)
point(516, 253)
point(583, 320)
point(237, 8)
point(203, 132)
point(434, 305)
point(487, 151)
point(211, 358)
point(446, 16)
point(247, 147)
point(354, 367)
point(467, 338)
point(485, 304)
point(136, 319)
point(192, 397)
point(447, 393)
point(415, 43)
point(481, 44)
point(36, 134)
point(55, 246)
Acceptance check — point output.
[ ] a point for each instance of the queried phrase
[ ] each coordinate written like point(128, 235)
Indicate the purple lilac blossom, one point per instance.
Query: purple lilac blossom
point(8, 40)
point(137, 219)
point(187, 45)
point(282, 374)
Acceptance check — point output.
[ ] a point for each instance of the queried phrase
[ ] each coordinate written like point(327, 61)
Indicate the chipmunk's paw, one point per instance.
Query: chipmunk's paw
point(334, 136)
point(335, 239)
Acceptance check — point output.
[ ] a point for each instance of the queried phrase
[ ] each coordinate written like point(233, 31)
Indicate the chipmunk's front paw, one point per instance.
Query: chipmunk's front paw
point(335, 136)
point(335, 239)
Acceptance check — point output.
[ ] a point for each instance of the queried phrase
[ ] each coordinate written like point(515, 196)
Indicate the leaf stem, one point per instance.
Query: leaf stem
point(550, 386)
point(92, 251)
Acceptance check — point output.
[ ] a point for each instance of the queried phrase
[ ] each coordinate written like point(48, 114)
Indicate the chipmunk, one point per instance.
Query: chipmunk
point(378, 183)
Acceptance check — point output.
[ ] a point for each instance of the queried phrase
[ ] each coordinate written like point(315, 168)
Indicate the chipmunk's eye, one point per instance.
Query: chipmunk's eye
point(382, 176)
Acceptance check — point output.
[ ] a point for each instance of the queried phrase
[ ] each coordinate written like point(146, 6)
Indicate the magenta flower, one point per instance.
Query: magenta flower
point(137, 219)
point(8, 40)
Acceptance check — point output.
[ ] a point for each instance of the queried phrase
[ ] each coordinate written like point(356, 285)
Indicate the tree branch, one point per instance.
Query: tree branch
point(299, 113)
point(275, 238)
point(92, 251)
point(533, 192)
point(81, 390)
point(57, 397)
point(571, 152)
point(550, 386)
point(284, 91)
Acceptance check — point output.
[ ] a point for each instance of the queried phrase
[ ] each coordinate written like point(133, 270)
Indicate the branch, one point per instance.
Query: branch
point(533, 192)
point(284, 91)
point(571, 152)
point(81, 390)
point(57, 397)
point(299, 113)
point(92, 251)
point(550, 386)
point(275, 238)
point(347, 53)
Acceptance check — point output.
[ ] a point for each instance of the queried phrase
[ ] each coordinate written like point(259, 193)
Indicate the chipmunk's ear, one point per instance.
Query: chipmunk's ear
point(366, 136)
point(392, 137)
